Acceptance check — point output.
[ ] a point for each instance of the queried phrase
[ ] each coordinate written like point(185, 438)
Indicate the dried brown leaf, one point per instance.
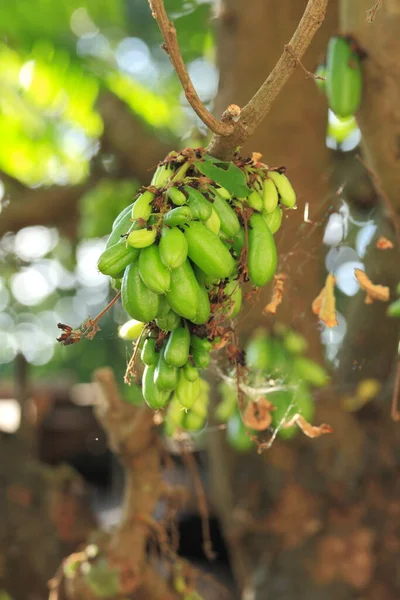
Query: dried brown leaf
point(277, 294)
point(324, 304)
point(384, 244)
point(257, 414)
point(311, 431)
point(374, 291)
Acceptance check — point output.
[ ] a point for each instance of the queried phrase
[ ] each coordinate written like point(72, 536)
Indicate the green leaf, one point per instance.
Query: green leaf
point(225, 174)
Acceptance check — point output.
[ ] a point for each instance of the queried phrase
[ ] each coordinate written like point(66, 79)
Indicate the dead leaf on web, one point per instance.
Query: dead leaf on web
point(384, 244)
point(324, 305)
point(277, 294)
point(257, 414)
point(311, 431)
point(374, 291)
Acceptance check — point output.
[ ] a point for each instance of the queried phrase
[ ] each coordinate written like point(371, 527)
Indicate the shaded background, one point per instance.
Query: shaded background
point(88, 105)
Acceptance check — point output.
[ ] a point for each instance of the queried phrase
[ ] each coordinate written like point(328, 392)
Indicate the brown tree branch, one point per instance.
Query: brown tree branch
point(171, 47)
point(259, 106)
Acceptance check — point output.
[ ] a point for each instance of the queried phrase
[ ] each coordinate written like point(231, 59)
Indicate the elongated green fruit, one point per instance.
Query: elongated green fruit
point(187, 391)
point(259, 352)
point(201, 358)
point(120, 229)
point(198, 343)
point(162, 175)
point(192, 421)
point(229, 221)
point(184, 291)
point(262, 255)
point(149, 356)
point(204, 279)
point(223, 192)
point(214, 222)
point(178, 216)
point(175, 416)
point(273, 219)
point(176, 196)
point(284, 187)
point(310, 371)
point(131, 330)
point(199, 205)
point(177, 347)
point(138, 301)
point(169, 322)
point(203, 310)
point(173, 247)
point(152, 271)
point(239, 240)
point(343, 78)
point(126, 212)
point(270, 195)
point(166, 376)
point(154, 397)
point(141, 238)
point(237, 435)
point(164, 308)
point(207, 251)
point(116, 283)
point(190, 372)
point(255, 201)
point(233, 303)
point(142, 207)
point(116, 258)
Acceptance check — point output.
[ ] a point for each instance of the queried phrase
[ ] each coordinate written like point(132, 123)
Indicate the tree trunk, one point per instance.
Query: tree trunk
point(308, 519)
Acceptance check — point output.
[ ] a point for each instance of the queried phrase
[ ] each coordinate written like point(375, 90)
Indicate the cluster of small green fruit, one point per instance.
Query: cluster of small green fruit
point(180, 255)
point(275, 359)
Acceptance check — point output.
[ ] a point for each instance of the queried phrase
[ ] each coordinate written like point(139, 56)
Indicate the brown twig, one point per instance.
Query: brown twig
point(260, 104)
point(371, 13)
point(395, 413)
point(171, 47)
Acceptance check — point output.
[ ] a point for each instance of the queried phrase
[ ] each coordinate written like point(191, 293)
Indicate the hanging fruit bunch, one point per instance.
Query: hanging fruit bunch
point(276, 391)
point(340, 78)
point(181, 253)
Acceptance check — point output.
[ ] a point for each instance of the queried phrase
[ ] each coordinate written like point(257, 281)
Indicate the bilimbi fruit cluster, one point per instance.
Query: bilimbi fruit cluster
point(181, 253)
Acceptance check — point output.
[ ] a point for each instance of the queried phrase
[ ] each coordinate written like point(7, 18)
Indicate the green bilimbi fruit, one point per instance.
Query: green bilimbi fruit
point(126, 213)
point(131, 330)
point(139, 302)
point(154, 397)
point(199, 205)
point(141, 238)
point(207, 251)
point(162, 175)
point(176, 196)
point(169, 322)
point(262, 255)
point(187, 391)
point(116, 258)
point(237, 435)
point(152, 271)
point(214, 222)
point(203, 307)
point(177, 347)
point(142, 209)
point(166, 376)
point(259, 352)
point(173, 248)
point(190, 372)
point(270, 195)
point(183, 295)
point(229, 222)
point(273, 219)
point(310, 371)
point(149, 355)
point(178, 216)
point(284, 187)
point(121, 228)
point(255, 201)
point(343, 77)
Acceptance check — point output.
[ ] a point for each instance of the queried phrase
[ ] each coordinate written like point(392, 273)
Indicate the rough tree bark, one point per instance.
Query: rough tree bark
point(313, 519)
